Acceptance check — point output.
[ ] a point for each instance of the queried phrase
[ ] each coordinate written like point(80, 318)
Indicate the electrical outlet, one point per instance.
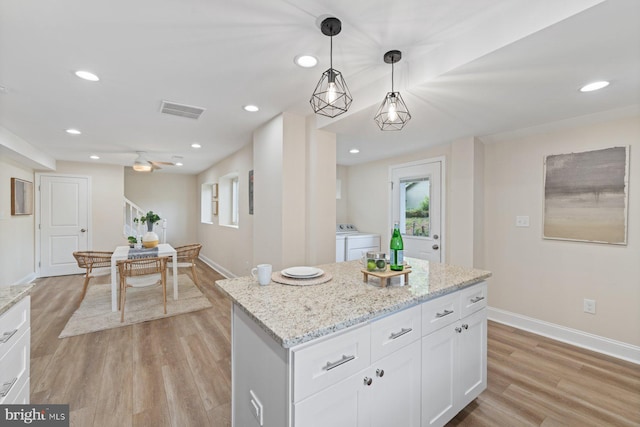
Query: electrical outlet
point(522, 221)
point(590, 306)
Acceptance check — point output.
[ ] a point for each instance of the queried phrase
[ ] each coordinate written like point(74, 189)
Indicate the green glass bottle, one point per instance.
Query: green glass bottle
point(397, 249)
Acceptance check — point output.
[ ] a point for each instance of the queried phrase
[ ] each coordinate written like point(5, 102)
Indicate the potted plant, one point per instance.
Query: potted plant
point(151, 218)
point(150, 239)
point(132, 241)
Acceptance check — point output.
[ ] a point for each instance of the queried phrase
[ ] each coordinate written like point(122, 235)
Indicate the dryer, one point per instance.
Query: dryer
point(355, 242)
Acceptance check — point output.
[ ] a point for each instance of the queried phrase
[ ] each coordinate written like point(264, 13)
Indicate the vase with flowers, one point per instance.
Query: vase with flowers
point(150, 238)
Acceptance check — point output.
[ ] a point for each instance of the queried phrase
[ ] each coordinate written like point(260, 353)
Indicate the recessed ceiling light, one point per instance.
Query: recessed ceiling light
point(86, 75)
point(251, 108)
point(94, 157)
point(354, 151)
point(306, 61)
point(195, 145)
point(74, 131)
point(178, 164)
point(594, 86)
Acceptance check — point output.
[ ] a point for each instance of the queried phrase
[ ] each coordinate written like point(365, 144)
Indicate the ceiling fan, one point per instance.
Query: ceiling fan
point(142, 164)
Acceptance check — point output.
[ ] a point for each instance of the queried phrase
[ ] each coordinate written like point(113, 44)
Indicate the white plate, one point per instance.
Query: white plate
point(302, 272)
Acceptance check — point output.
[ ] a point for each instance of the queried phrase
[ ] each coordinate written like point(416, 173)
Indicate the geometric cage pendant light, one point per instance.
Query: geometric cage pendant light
point(393, 113)
point(331, 96)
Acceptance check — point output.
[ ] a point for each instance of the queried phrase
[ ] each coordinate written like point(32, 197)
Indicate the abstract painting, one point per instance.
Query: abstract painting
point(585, 196)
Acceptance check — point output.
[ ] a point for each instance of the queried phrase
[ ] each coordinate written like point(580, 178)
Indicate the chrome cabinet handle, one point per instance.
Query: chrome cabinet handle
point(465, 326)
point(6, 387)
point(380, 372)
point(458, 330)
point(367, 381)
point(476, 299)
point(7, 336)
point(331, 365)
point(403, 331)
point(444, 313)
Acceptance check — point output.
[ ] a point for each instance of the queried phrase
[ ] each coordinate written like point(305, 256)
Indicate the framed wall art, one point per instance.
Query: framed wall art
point(21, 197)
point(586, 196)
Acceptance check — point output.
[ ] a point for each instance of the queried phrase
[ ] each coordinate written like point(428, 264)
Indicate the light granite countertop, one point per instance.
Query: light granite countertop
point(11, 295)
point(293, 315)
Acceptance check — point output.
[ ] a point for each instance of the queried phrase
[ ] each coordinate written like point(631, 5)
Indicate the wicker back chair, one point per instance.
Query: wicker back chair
point(186, 257)
point(142, 272)
point(95, 263)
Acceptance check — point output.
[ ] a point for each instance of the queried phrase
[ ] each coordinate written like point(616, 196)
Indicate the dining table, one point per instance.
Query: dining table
point(122, 253)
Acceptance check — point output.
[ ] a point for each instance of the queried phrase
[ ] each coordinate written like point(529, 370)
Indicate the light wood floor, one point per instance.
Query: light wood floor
point(176, 371)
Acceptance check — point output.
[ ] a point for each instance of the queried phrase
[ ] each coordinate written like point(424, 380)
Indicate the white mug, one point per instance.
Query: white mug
point(263, 273)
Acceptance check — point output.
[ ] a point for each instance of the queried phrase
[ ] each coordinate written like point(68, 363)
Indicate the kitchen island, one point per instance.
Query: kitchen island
point(312, 355)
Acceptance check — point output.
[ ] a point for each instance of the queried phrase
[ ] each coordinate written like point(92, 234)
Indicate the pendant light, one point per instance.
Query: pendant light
point(331, 97)
point(393, 113)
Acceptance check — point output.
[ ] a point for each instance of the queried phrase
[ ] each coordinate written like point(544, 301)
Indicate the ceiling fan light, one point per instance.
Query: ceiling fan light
point(141, 167)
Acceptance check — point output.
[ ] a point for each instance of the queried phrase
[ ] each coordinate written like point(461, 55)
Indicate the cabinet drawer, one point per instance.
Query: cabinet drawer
point(320, 365)
point(473, 298)
point(394, 332)
point(440, 312)
point(13, 324)
point(15, 368)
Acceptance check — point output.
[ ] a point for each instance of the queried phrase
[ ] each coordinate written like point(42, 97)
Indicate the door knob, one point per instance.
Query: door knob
point(83, 230)
point(435, 236)
point(435, 247)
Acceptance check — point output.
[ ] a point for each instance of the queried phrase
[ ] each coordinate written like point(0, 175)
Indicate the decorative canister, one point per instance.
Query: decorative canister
point(375, 261)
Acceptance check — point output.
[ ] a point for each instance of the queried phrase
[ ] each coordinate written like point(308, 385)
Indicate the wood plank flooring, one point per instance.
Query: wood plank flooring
point(177, 371)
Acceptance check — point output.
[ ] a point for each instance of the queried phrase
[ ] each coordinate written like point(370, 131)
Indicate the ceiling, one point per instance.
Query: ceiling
point(470, 68)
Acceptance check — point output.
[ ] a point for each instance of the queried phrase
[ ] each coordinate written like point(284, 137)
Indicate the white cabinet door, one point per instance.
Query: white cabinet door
point(395, 390)
point(472, 357)
point(439, 372)
point(341, 405)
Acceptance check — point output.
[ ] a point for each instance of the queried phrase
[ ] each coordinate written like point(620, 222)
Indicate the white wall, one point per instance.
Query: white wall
point(172, 196)
point(17, 240)
point(548, 279)
point(342, 204)
point(228, 249)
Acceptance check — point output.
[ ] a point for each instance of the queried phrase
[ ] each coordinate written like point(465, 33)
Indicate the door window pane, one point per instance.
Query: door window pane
point(414, 206)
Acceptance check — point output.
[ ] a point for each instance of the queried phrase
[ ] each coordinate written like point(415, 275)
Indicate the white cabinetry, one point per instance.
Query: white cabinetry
point(15, 345)
point(386, 392)
point(454, 357)
point(414, 368)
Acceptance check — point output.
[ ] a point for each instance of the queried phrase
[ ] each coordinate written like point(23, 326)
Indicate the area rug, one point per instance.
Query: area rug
point(143, 304)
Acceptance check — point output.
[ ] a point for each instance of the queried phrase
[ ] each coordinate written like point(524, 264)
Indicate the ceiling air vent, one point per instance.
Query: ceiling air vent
point(181, 110)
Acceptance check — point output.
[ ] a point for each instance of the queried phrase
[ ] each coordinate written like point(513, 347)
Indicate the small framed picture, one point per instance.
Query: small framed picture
point(21, 197)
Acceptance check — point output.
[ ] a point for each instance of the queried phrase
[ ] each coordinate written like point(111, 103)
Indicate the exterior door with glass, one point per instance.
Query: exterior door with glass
point(416, 203)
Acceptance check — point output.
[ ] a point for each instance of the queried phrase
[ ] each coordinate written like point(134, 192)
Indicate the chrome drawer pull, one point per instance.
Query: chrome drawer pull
point(445, 313)
point(6, 387)
point(476, 299)
point(7, 336)
point(403, 331)
point(345, 359)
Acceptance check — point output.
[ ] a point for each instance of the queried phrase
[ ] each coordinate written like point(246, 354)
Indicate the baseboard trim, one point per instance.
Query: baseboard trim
point(26, 279)
point(220, 269)
point(575, 337)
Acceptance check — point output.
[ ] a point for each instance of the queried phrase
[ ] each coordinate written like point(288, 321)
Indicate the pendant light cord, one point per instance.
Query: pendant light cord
point(331, 54)
point(392, 62)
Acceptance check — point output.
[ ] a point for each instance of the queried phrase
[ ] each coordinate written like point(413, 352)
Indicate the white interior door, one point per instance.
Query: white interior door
point(64, 223)
point(416, 203)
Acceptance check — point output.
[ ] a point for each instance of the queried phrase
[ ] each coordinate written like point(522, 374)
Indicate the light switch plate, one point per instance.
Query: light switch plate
point(522, 221)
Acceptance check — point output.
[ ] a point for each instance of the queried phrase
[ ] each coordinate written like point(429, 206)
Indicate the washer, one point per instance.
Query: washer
point(356, 243)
